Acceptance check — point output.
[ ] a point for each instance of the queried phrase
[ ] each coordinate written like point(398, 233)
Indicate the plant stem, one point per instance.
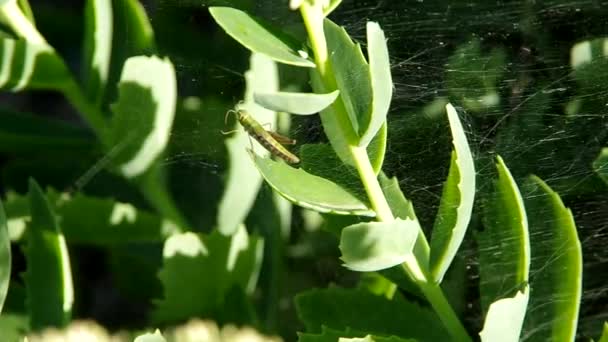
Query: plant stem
point(370, 182)
point(313, 20)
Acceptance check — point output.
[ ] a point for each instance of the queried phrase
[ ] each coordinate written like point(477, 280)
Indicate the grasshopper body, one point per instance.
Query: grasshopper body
point(269, 140)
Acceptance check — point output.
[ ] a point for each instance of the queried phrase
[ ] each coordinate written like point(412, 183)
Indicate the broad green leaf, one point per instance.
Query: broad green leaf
point(600, 164)
point(504, 245)
point(25, 65)
point(97, 47)
point(473, 77)
point(22, 133)
point(604, 337)
point(321, 160)
point(456, 202)
point(144, 113)
point(13, 326)
point(150, 337)
point(374, 246)
point(310, 191)
point(505, 318)
point(25, 7)
point(108, 222)
point(48, 278)
point(132, 35)
point(352, 75)
point(296, 103)
point(242, 179)
point(364, 312)
point(404, 209)
point(381, 82)
point(556, 268)
point(199, 273)
point(5, 257)
point(260, 37)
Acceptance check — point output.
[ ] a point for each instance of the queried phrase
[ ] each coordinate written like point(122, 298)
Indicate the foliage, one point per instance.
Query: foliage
point(187, 223)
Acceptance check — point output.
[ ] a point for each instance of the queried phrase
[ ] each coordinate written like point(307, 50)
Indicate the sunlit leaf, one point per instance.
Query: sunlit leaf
point(404, 209)
point(5, 257)
point(381, 82)
point(25, 65)
point(352, 75)
point(108, 222)
point(556, 268)
point(242, 179)
point(48, 279)
point(374, 246)
point(505, 318)
point(150, 337)
point(200, 272)
point(97, 47)
point(260, 37)
point(456, 201)
point(295, 103)
point(144, 113)
point(310, 191)
point(366, 313)
point(504, 245)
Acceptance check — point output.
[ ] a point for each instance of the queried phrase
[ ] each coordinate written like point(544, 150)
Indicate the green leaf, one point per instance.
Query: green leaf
point(200, 271)
point(22, 133)
point(296, 103)
point(505, 318)
point(150, 337)
point(352, 75)
point(556, 268)
point(14, 327)
point(456, 201)
point(5, 257)
point(97, 47)
point(404, 209)
point(48, 279)
point(25, 65)
point(604, 337)
point(364, 312)
point(258, 36)
point(132, 35)
point(374, 246)
point(108, 222)
point(600, 164)
point(243, 181)
point(381, 82)
point(143, 114)
point(310, 191)
point(25, 7)
point(504, 245)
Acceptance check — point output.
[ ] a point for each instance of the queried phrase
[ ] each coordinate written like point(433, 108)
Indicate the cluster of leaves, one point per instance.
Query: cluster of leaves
point(209, 264)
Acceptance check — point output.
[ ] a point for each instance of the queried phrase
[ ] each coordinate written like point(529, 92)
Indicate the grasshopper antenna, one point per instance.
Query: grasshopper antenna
point(231, 111)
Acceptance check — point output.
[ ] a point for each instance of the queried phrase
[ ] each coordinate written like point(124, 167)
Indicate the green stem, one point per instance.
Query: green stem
point(370, 182)
point(313, 20)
